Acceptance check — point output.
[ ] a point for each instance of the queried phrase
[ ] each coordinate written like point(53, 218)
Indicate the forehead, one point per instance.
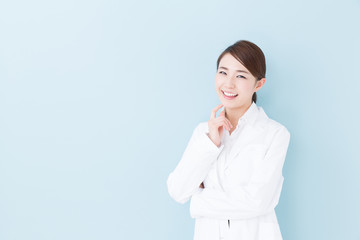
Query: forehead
point(230, 62)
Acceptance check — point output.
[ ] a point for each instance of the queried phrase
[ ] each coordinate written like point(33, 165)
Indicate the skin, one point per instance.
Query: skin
point(242, 83)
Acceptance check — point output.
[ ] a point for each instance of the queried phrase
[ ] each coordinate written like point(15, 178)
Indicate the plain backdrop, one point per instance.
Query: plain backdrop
point(98, 100)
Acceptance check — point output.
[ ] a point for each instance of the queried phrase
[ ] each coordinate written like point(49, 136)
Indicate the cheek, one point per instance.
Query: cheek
point(217, 82)
point(247, 87)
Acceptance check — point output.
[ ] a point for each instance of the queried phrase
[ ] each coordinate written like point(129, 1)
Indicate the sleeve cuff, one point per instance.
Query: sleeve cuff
point(209, 144)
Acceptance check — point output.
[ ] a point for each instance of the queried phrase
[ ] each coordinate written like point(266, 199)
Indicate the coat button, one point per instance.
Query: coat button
point(227, 172)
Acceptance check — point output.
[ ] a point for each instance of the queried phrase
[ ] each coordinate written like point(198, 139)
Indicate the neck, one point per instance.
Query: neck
point(234, 114)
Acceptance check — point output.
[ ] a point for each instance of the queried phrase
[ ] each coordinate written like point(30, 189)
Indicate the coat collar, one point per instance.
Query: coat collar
point(251, 114)
point(255, 116)
point(256, 121)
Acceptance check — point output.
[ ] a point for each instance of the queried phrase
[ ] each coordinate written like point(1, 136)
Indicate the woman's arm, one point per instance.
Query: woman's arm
point(259, 197)
point(193, 167)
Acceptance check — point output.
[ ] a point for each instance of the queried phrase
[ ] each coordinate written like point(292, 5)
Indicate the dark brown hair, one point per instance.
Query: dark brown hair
point(249, 55)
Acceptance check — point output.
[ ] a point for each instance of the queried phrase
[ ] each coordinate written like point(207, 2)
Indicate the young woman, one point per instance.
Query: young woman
point(232, 166)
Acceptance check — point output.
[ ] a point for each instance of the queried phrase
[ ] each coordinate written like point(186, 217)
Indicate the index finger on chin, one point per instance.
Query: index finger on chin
point(213, 112)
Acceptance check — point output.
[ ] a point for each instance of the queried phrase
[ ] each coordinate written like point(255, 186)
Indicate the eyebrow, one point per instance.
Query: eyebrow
point(236, 70)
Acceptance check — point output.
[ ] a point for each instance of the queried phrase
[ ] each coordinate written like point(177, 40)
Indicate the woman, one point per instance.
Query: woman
point(232, 166)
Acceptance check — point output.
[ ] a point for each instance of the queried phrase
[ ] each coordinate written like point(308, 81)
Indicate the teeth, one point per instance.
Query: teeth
point(229, 94)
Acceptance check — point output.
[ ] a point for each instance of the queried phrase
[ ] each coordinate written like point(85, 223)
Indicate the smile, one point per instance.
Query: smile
point(229, 96)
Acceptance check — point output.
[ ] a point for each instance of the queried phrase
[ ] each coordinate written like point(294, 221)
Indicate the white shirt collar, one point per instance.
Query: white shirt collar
point(250, 115)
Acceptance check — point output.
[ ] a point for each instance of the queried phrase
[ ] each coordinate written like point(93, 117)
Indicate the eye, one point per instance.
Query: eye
point(241, 76)
point(222, 72)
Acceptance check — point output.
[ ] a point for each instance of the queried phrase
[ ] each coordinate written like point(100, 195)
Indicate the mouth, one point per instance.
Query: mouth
point(228, 95)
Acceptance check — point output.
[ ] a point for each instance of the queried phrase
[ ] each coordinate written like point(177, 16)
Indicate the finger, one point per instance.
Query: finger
point(222, 117)
point(213, 112)
point(223, 122)
point(227, 123)
point(227, 118)
point(230, 125)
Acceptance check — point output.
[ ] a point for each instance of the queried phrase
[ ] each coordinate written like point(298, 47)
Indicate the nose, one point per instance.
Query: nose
point(230, 81)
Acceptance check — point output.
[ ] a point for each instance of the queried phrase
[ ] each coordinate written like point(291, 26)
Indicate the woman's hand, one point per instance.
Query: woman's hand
point(216, 125)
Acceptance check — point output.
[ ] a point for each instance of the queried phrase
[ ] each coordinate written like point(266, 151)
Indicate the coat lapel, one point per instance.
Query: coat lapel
point(248, 134)
point(251, 133)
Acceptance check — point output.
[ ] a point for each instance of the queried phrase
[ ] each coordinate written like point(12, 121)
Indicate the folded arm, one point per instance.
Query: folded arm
point(258, 197)
point(193, 167)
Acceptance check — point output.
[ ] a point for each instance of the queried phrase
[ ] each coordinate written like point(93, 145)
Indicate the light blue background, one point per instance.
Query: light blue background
point(98, 100)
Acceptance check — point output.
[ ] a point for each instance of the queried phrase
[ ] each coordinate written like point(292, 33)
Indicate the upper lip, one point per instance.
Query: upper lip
point(228, 91)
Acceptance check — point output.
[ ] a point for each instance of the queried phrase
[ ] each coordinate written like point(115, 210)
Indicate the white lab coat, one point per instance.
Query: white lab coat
point(242, 178)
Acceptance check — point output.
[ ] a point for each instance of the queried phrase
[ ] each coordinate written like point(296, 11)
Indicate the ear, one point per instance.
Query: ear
point(259, 84)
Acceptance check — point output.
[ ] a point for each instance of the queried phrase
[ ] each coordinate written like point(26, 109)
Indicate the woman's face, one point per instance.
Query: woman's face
point(233, 78)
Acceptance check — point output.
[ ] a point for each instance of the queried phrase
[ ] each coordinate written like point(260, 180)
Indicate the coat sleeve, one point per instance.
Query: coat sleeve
point(195, 163)
point(260, 196)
